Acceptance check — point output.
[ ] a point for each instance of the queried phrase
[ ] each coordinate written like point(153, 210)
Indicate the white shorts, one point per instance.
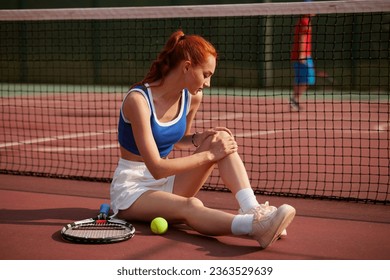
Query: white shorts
point(131, 179)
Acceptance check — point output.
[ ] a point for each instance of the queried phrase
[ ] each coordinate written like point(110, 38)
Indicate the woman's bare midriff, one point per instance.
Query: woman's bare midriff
point(125, 154)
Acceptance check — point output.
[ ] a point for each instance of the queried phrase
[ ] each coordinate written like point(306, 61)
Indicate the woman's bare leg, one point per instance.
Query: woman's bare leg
point(178, 209)
point(231, 170)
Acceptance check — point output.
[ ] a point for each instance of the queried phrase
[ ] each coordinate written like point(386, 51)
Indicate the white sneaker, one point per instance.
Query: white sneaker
point(263, 209)
point(269, 225)
point(294, 105)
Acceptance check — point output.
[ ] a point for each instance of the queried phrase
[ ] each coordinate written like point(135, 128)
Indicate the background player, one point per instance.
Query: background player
point(301, 57)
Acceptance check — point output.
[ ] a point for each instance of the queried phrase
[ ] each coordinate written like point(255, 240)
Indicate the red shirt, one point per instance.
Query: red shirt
point(302, 39)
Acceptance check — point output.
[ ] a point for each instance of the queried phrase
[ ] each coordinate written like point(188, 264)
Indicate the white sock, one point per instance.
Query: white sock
point(242, 224)
point(246, 199)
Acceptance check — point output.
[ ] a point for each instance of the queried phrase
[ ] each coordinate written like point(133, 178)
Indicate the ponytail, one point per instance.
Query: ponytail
point(179, 47)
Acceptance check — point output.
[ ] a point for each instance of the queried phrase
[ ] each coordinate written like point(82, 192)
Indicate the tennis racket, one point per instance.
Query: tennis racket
point(101, 229)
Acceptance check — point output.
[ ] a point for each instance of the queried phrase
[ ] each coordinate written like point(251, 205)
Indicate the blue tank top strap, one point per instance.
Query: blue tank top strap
point(166, 135)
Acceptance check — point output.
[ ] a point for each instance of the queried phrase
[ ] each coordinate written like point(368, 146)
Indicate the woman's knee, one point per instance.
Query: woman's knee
point(192, 206)
point(224, 134)
point(193, 203)
point(221, 134)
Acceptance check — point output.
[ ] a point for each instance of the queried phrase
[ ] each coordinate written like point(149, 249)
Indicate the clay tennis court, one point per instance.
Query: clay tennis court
point(354, 224)
point(64, 72)
point(35, 209)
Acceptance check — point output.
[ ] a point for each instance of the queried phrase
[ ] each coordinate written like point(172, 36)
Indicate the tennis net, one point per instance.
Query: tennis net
point(64, 72)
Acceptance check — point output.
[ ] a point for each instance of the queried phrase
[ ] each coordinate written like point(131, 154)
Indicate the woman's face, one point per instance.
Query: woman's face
point(198, 77)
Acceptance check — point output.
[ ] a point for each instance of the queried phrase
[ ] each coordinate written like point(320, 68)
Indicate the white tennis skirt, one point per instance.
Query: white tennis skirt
point(131, 179)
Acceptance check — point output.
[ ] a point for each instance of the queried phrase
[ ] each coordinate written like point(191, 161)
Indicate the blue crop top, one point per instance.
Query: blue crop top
point(166, 134)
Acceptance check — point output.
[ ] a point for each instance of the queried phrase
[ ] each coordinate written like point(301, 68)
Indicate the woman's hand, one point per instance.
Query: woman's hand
point(222, 144)
point(200, 137)
point(218, 141)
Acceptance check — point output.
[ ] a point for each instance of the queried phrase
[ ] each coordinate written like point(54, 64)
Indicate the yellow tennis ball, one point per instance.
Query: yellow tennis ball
point(159, 225)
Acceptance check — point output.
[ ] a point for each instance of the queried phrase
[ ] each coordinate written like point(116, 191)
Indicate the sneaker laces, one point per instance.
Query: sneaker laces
point(266, 208)
point(262, 211)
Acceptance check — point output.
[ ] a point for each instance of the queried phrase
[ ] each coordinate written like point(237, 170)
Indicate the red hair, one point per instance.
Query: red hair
point(179, 47)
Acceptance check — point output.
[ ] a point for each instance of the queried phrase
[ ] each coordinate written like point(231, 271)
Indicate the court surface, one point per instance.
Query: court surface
point(38, 207)
point(332, 148)
point(33, 211)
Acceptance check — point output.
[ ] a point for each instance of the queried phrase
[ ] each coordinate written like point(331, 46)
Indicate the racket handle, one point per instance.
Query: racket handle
point(104, 210)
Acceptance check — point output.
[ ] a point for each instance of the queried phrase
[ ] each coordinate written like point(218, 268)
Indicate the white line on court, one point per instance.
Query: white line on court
point(55, 138)
point(342, 131)
point(260, 133)
point(229, 116)
point(379, 128)
point(383, 127)
point(76, 149)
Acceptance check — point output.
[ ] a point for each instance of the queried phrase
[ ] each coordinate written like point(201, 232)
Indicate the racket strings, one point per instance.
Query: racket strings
point(98, 231)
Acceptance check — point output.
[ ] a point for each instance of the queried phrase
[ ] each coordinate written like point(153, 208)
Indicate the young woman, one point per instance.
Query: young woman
point(156, 115)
